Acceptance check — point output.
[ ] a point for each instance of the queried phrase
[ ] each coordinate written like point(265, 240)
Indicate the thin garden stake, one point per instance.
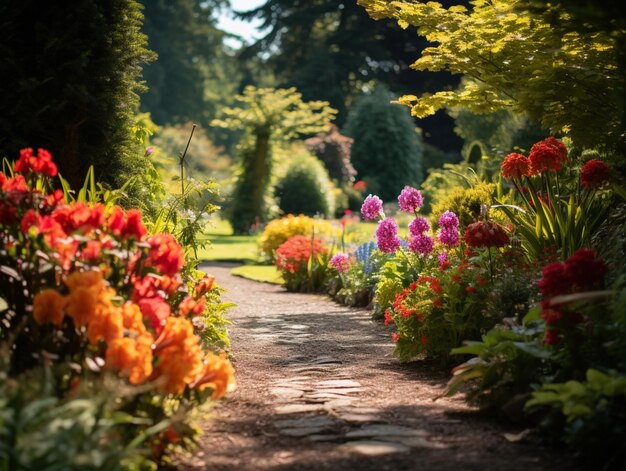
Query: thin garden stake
point(181, 161)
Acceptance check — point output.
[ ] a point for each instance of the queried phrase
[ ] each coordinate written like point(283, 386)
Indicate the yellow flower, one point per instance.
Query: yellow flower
point(48, 306)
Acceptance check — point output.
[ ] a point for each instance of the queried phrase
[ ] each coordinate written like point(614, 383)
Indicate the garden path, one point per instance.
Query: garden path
point(319, 388)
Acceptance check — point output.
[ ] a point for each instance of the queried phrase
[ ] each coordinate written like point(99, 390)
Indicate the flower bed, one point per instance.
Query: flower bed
point(99, 310)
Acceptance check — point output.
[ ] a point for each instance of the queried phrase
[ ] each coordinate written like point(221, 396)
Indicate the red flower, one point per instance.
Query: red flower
point(552, 337)
point(156, 310)
point(554, 281)
point(551, 316)
point(515, 166)
point(388, 318)
point(165, 254)
point(92, 250)
point(584, 269)
point(42, 163)
point(204, 285)
point(547, 156)
point(134, 226)
point(17, 183)
point(470, 290)
point(360, 185)
point(424, 340)
point(116, 221)
point(192, 306)
point(395, 337)
point(593, 174)
point(30, 218)
point(54, 199)
point(485, 234)
point(294, 254)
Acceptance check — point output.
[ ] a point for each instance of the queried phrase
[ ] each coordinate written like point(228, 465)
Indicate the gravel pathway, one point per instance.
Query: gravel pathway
point(319, 389)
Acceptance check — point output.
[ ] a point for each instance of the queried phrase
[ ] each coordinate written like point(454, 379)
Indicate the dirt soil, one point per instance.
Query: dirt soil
point(318, 388)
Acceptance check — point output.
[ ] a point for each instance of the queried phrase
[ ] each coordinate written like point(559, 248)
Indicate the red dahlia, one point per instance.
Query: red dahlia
point(515, 166)
point(593, 174)
point(482, 234)
point(547, 156)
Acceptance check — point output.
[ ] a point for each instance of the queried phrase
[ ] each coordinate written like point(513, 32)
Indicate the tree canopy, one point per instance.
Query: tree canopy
point(566, 80)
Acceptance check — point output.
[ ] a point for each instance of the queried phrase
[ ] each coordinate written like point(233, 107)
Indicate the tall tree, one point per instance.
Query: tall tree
point(268, 117)
point(332, 51)
point(193, 74)
point(565, 78)
point(70, 82)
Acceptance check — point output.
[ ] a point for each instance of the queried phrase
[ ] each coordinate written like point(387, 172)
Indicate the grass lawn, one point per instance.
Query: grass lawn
point(226, 247)
point(263, 273)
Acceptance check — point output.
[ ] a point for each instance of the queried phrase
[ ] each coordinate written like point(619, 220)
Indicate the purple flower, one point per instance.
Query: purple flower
point(418, 226)
point(422, 244)
point(341, 262)
point(449, 220)
point(387, 235)
point(372, 207)
point(410, 199)
point(149, 150)
point(449, 237)
point(443, 257)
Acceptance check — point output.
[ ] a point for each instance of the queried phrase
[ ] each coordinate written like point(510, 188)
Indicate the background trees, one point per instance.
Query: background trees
point(70, 82)
point(267, 117)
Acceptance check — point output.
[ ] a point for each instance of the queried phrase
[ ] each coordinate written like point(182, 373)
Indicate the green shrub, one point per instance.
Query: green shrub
point(387, 149)
point(305, 188)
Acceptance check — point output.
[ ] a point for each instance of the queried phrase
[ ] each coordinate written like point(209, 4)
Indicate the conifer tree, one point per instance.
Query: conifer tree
point(70, 82)
point(387, 149)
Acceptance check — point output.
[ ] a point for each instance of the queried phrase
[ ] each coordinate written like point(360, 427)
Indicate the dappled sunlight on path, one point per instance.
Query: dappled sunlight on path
point(318, 388)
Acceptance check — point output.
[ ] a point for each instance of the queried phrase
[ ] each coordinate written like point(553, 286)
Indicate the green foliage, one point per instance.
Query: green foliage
point(466, 203)
point(498, 133)
point(305, 188)
point(387, 149)
point(268, 117)
point(568, 81)
point(71, 85)
point(590, 414)
point(87, 432)
point(503, 366)
point(386, 291)
point(333, 150)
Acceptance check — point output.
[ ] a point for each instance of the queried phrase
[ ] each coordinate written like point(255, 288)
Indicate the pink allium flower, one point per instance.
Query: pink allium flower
point(418, 226)
point(387, 235)
point(449, 237)
point(372, 207)
point(421, 244)
point(449, 220)
point(410, 199)
point(341, 262)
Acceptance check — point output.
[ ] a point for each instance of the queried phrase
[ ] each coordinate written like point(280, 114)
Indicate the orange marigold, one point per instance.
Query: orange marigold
point(132, 356)
point(218, 374)
point(48, 306)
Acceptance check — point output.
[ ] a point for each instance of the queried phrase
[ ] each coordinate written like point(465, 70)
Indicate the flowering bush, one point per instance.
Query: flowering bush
point(303, 263)
point(88, 289)
point(278, 231)
point(562, 206)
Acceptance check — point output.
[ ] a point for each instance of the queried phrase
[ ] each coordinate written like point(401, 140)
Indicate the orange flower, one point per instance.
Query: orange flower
point(218, 374)
point(107, 324)
point(180, 355)
point(133, 357)
point(132, 318)
point(204, 285)
point(84, 279)
point(48, 306)
point(191, 306)
point(82, 305)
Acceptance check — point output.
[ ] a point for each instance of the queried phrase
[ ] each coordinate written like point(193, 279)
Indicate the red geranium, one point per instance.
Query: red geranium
point(515, 166)
point(41, 163)
point(296, 251)
point(547, 156)
point(584, 269)
point(166, 255)
point(593, 174)
point(482, 234)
